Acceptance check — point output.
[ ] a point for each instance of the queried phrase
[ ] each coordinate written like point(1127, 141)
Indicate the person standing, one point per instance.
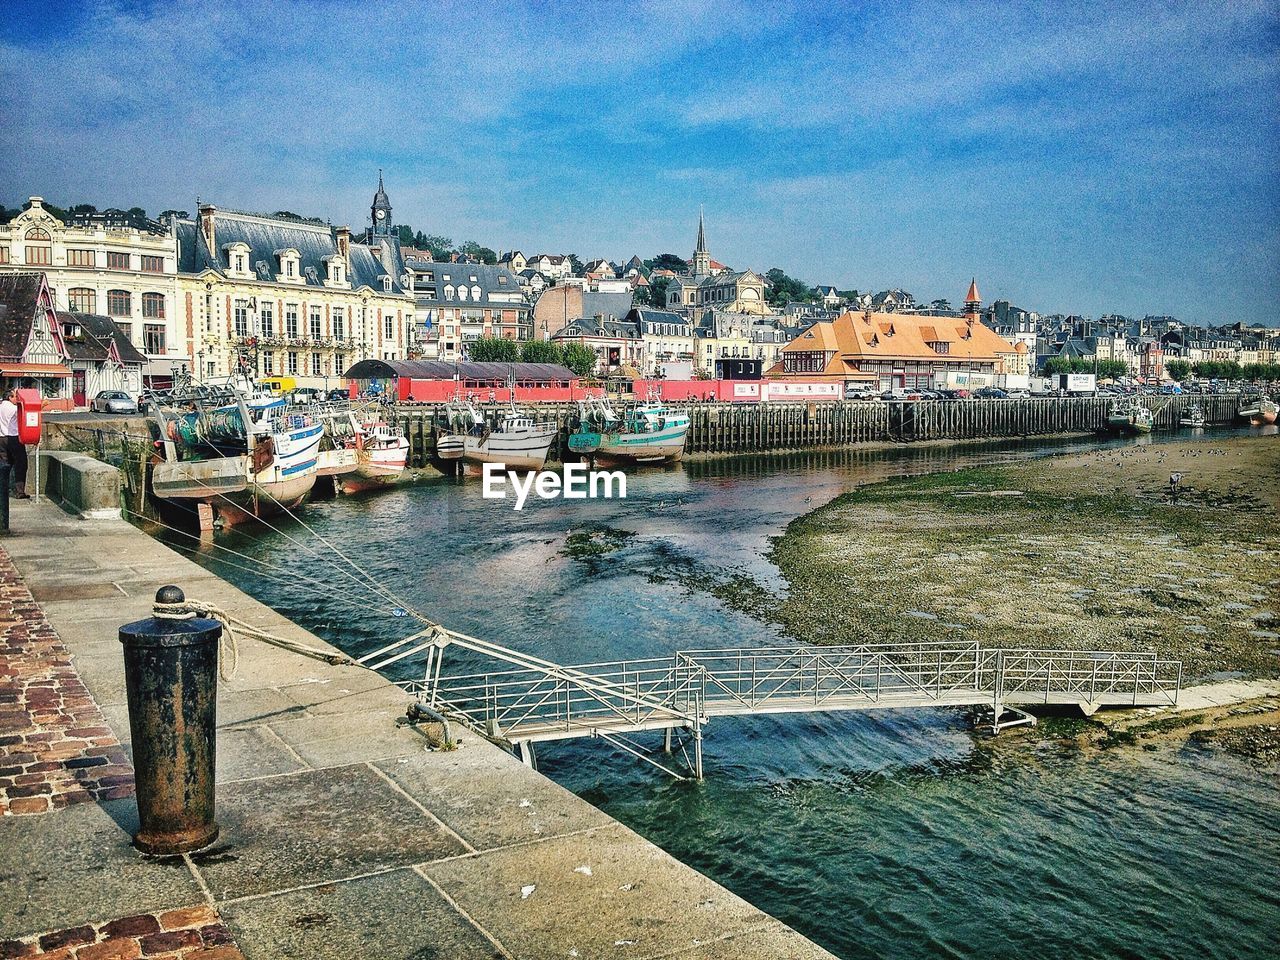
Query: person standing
point(14, 450)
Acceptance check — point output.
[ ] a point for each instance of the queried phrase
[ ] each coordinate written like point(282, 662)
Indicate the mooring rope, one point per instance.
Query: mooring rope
point(233, 628)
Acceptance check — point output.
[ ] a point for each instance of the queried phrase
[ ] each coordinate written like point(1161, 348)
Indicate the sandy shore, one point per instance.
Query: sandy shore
point(1085, 551)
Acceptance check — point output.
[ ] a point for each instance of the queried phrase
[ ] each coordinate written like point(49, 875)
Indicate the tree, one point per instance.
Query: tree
point(657, 292)
point(82, 208)
point(667, 261)
point(472, 249)
point(493, 350)
point(541, 351)
point(169, 215)
point(576, 265)
point(580, 358)
point(1178, 369)
point(137, 212)
point(783, 289)
point(440, 247)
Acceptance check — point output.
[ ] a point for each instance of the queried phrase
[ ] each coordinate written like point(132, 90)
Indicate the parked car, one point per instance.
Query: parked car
point(1019, 394)
point(337, 395)
point(113, 401)
point(304, 395)
point(991, 393)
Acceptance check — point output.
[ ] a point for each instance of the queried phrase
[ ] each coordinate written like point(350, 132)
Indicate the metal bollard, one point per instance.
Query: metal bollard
point(171, 676)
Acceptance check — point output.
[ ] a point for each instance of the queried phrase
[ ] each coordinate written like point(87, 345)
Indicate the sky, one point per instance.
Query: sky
point(1075, 158)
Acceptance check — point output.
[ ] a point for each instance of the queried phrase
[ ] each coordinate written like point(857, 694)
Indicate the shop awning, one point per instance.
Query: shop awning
point(34, 370)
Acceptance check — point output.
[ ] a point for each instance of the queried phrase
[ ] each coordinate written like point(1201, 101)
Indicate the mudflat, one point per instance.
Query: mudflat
point(1085, 551)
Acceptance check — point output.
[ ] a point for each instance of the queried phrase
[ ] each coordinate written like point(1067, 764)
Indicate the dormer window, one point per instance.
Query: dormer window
point(237, 258)
point(462, 292)
point(336, 271)
point(475, 292)
point(290, 261)
point(448, 290)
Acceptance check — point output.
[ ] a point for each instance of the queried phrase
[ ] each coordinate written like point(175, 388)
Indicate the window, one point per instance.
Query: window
point(241, 318)
point(316, 369)
point(339, 362)
point(266, 320)
point(268, 362)
point(117, 261)
point(79, 258)
point(126, 329)
point(475, 292)
point(316, 330)
point(35, 233)
point(339, 332)
point(119, 303)
point(462, 292)
point(153, 264)
point(291, 361)
point(448, 291)
point(153, 306)
point(389, 328)
point(153, 338)
point(83, 299)
point(4, 254)
point(291, 325)
point(39, 256)
point(290, 268)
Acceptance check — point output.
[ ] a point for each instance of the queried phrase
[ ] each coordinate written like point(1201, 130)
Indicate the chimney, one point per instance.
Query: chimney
point(344, 244)
point(207, 210)
point(36, 203)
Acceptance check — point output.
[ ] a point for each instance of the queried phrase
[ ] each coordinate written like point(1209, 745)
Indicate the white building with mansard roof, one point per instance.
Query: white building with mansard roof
point(110, 263)
point(279, 296)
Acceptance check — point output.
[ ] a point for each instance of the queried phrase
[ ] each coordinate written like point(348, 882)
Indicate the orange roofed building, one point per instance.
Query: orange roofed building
point(882, 351)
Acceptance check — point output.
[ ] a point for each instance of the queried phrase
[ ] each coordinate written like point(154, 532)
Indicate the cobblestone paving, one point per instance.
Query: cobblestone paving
point(194, 933)
point(55, 747)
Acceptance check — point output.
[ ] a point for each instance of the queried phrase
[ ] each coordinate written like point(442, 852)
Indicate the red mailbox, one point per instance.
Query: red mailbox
point(29, 419)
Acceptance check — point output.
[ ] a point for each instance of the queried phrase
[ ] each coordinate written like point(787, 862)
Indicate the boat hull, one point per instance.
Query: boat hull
point(379, 467)
point(228, 485)
point(336, 463)
point(665, 445)
point(523, 450)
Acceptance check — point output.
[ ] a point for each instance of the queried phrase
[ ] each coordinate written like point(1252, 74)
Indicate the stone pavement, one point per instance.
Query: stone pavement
point(343, 833)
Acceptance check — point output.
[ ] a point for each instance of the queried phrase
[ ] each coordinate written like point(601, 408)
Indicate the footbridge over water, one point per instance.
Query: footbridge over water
point(526, 700)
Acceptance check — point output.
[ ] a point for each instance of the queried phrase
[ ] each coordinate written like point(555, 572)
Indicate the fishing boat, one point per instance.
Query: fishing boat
point(644, 433)
point(518, 440)
point(1259, 410)
point(1194, 417)
point(381, 450)
point(237, 457)
point(1129, 416)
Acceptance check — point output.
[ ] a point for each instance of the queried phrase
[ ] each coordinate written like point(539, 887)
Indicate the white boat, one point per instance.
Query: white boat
point(517, 440)
point(1194, 417)
point(382, 453)
point(212, 449)
point(1129, 416)
point(1259, 410)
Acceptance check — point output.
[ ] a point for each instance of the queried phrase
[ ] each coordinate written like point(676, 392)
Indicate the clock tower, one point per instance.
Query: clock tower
point(381, 210)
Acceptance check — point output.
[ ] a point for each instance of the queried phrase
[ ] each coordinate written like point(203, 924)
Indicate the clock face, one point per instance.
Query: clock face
point(381, 214)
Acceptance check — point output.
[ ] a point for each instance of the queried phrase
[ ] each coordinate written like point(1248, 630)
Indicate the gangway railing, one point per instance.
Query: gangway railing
point(529, 700)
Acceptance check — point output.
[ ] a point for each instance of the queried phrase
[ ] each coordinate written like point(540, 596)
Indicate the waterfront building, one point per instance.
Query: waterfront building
point(458, 303)
point(111, 263)
point(70, 357)
point(616, 343)
point(669, 341)
point(709, 284)
point(562, 304)
point(882, 351)
point(270, 295)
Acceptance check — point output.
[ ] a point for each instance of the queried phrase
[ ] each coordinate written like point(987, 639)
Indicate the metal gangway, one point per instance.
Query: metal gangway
point(527, 700)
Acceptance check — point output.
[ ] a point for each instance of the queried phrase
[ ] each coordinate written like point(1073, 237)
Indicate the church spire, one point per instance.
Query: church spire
point(972, 302)
point(701, 259)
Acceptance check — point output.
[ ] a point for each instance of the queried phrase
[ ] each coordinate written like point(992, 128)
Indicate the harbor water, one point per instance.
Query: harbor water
point(897, 834)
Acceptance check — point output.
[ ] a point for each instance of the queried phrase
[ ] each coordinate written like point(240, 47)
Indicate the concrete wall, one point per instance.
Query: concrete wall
point(81, 484)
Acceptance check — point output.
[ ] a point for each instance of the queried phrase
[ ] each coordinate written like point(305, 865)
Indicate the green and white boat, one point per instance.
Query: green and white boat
point(644, 433)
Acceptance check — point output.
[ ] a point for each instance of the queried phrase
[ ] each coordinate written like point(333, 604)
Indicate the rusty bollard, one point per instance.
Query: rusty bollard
point(171, 675)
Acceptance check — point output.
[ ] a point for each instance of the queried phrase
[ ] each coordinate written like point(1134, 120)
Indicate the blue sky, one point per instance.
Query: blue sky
point(1118, 157)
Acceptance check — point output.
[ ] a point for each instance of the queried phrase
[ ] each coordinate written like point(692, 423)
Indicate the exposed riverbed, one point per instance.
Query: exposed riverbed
point(891, 834)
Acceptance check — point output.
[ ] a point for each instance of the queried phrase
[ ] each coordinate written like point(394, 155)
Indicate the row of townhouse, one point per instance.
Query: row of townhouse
point(665, 343)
